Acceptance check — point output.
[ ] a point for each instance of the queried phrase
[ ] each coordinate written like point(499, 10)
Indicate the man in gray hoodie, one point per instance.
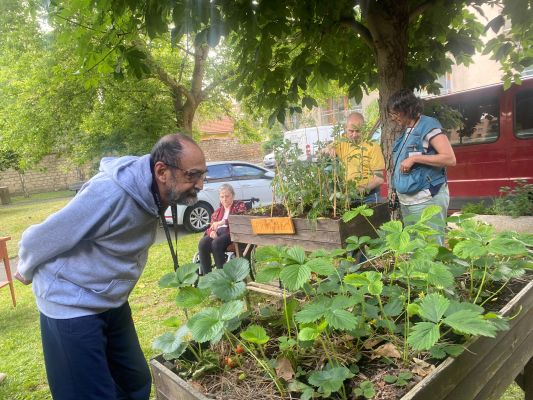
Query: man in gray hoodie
point(85, 260)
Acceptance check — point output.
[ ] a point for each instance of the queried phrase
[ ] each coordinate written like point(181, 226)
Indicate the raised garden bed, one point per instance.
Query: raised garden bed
point(322, 233)
point(482, 372)
point(382, 329)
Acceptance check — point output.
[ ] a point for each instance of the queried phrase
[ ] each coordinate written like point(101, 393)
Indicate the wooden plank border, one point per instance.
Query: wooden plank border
point(484, 359)
point(170, 386)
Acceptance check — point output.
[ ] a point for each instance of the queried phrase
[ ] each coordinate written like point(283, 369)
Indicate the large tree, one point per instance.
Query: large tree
point(131, 39)
point(287, 47)
point(284, 48)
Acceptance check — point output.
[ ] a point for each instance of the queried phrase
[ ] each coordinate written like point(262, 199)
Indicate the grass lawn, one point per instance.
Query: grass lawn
point(20, 346)
point(23, 212)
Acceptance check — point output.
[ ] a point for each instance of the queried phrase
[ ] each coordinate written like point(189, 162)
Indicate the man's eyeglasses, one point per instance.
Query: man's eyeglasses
point(192, 175)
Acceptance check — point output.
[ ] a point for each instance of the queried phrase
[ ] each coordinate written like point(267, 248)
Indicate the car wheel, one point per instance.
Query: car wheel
point(197, 217)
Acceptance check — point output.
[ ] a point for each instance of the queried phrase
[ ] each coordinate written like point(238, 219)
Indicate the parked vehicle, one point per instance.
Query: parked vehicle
point(306, 139)
point(269, 161)
point(248, 181)
point(494, 146)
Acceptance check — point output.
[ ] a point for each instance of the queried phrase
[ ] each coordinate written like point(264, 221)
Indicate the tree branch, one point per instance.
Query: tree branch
point(184, 50)
point(360, 29)
point(209, 88)
point(163, 75)
point(201, 51)
point(72, 22)
point(415, 12)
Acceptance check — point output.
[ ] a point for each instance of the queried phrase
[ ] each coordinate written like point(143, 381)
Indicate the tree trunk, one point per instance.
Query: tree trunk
point(185, 111)
point(388, 25)
point(22, 178)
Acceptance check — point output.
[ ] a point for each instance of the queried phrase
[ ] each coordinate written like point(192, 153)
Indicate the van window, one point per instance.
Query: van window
point(480, 122)
point(523, 124)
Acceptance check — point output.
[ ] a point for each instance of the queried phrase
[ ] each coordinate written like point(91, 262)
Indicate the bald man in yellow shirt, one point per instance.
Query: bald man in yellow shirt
point(362, 159)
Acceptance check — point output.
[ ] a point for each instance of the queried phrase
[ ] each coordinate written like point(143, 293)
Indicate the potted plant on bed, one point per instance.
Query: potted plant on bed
point(314, 195)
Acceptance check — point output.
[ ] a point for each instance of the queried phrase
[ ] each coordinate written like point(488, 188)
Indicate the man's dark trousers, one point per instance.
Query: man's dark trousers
point(95, 357)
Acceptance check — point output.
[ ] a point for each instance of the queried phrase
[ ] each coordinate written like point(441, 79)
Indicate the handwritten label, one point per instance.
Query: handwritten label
point(268, 226)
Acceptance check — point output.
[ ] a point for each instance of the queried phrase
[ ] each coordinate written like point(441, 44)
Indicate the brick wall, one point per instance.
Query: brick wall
point(231, 149)
point(57, 174)
point(51, 174)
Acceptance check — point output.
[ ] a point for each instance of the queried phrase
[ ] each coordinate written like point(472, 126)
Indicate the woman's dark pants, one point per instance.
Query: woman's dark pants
point(217, 247)
point(95, 357)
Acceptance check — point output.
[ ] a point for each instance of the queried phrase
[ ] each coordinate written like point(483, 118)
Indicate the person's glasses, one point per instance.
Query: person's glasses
point(192, 175)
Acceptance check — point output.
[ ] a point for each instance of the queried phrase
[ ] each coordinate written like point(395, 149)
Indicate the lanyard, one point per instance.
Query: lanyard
point(161, 212)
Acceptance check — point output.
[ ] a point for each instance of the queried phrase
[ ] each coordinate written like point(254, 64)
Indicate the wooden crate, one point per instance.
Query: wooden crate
point(323, 233)
point(482, 372)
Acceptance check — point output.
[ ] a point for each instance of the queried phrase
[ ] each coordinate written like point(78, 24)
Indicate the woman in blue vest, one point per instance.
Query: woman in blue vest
point(420, 157)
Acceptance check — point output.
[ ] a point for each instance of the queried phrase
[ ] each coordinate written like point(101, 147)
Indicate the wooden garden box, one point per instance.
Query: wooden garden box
point(482, 372)
point(322, 233)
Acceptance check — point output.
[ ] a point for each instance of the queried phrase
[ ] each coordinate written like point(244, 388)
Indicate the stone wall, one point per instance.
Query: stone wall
point(51, 174)
point(57, 174)
point(231, 149)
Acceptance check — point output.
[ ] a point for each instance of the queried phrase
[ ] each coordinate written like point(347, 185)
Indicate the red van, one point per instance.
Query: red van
point(495, 144)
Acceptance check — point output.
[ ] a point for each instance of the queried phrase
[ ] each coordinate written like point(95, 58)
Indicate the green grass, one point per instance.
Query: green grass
point(38, 197)
point(20, 346)
point(14, 219)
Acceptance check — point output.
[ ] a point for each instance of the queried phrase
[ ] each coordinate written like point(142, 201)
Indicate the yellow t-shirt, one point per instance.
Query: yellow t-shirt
point(360, 160)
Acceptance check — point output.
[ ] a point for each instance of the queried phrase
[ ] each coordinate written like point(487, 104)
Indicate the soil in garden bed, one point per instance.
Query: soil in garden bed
point(245, 379)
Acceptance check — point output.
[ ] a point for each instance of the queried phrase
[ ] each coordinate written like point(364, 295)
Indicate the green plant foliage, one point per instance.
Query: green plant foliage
point(190, 296)
point(330, 380)
point(471, 323)
point(423, 336)
point(206, 325)
point(433, 306)
point(173, 344)
point(366, 389)
point(210, 323)
point(227, 283)
point(515, 201)
point(425, 302)
point(185, 275)
point(255, 334)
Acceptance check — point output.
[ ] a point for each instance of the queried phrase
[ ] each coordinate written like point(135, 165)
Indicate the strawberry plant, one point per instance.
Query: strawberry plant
point(411, 300)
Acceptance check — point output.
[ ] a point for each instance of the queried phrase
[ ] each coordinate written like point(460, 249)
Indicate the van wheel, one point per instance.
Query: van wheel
point(197, 217)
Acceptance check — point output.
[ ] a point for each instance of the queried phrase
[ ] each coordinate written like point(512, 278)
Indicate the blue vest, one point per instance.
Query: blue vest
point(421, 176)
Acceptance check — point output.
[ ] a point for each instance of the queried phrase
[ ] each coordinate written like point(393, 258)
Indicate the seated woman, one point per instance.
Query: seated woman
point(217, 237)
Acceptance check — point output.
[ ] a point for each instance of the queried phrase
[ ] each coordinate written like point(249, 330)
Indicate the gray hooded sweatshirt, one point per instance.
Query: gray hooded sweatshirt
point(87, 257)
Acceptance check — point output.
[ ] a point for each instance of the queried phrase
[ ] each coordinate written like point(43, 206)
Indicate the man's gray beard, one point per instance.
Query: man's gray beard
point(184, 199)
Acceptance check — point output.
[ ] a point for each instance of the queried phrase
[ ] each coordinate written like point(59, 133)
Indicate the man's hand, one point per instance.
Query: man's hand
point(329, 150)
point(20, 278)
point(213, 235)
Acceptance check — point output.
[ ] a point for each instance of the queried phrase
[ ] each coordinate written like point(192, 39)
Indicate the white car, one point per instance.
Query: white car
point(270, 160)
point(248, 180)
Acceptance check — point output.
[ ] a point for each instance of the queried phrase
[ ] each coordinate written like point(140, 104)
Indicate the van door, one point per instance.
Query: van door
point(519, 128)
